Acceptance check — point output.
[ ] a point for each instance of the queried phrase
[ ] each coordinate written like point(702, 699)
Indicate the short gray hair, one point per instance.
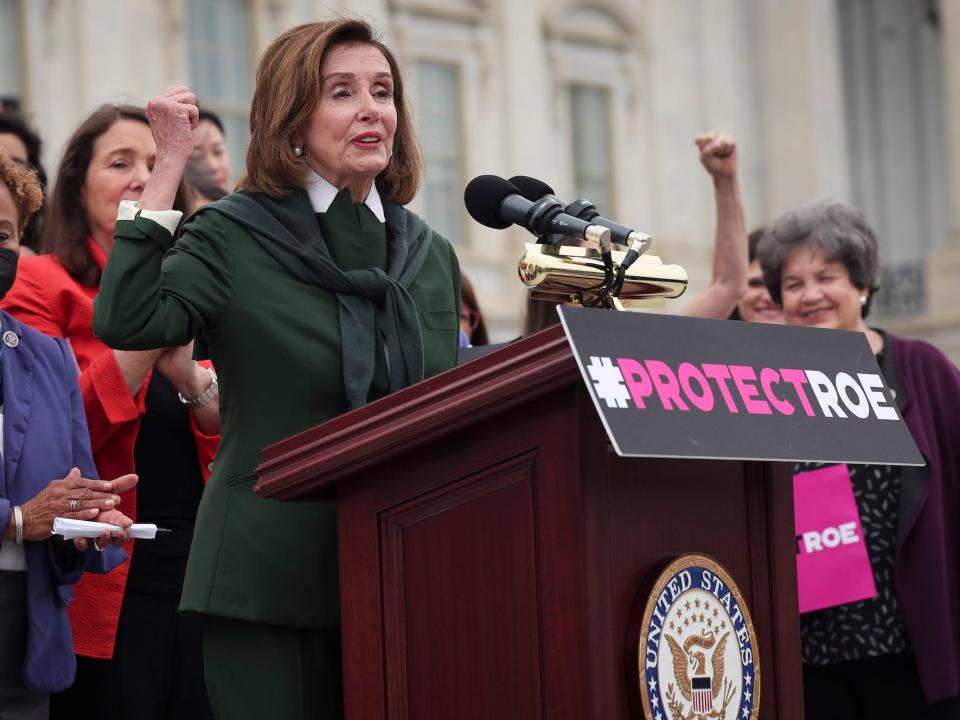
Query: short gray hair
point(838, 231)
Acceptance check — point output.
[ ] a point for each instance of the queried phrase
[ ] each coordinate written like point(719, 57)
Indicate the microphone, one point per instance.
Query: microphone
point(497, 203)
point(638, 243)
point(533, 189)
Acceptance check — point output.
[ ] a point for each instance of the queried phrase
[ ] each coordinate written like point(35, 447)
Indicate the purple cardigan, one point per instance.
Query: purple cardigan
point(927, 571)
point(44, 435)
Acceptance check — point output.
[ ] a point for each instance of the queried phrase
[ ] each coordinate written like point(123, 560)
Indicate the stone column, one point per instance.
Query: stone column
point(942, 323)
point(950, 24)
point(802, 106)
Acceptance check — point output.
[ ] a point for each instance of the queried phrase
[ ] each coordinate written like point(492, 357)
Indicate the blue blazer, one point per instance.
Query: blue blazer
point(44, 435)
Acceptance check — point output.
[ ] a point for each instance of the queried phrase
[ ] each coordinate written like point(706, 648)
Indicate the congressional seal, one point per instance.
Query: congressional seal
point(698, 650)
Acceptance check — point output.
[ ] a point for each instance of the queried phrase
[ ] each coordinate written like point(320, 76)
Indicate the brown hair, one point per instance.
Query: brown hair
point(15, 123)
point(478, 335)
point(24, 186)
point(67, 228)
point(289, 84)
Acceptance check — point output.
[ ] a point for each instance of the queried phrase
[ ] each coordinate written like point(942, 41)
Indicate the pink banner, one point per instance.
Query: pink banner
point(832, 563)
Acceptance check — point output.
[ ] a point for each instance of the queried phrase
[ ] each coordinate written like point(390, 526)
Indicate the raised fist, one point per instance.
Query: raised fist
point(173, 114)
point(718, 153)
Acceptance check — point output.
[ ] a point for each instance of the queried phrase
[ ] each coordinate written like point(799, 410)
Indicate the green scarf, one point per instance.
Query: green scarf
point(287, 229)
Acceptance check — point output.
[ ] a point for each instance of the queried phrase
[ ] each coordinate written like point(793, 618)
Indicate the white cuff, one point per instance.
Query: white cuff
point(169, 219)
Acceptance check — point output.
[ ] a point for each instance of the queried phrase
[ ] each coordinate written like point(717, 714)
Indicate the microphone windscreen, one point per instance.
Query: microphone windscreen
point(531, 188)
point(483, 196)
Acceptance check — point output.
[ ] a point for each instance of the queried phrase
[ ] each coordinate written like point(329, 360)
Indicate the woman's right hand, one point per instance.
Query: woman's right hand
point(74, 497)
point(718, 153)
point(173, 114)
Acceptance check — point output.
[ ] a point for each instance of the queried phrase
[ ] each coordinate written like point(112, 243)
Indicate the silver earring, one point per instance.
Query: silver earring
point(863, 299)
point(298, 150)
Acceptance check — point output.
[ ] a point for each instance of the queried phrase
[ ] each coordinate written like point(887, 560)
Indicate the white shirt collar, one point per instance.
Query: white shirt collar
point(322, 193)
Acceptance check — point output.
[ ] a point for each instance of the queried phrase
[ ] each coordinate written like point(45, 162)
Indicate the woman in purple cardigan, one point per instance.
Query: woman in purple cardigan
point(896, 655)
point(46, 460)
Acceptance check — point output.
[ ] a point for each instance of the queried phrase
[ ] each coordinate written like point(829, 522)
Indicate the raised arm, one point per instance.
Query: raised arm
point(718, 153)
point(173, 114)
point(147, 301)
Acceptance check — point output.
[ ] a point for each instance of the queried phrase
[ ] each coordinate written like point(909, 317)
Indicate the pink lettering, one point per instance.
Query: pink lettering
point(720, 374)
point(744, 378)
point(703, 400)
point(798, 379)
point(665, 383)
point(768, 378)
point(637, 380)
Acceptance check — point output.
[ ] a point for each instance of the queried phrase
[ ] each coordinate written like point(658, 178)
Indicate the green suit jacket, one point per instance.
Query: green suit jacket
point(275, 342)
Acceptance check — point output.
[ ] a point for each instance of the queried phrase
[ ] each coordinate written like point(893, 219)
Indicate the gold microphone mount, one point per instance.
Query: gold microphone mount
point(572, 274)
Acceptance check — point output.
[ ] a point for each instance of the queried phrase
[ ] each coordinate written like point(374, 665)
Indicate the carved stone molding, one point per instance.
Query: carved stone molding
point(472, 11)
point(593, 23)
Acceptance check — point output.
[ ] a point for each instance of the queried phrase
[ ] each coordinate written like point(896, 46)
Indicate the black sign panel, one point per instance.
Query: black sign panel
point(668, 386)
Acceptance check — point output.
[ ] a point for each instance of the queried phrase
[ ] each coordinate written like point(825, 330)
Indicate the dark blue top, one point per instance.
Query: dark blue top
point(44, 436)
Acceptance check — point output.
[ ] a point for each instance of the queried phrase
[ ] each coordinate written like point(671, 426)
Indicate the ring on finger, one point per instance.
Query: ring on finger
point(74, 505)
point(96, 546)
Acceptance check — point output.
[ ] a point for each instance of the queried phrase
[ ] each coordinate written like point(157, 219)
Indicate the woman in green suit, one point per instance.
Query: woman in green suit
point(316, 291)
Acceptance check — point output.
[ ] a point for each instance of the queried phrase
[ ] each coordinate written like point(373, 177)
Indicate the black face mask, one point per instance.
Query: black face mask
point(8, 269)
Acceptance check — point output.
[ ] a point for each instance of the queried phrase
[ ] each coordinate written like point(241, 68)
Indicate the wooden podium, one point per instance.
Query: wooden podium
point(496, 554)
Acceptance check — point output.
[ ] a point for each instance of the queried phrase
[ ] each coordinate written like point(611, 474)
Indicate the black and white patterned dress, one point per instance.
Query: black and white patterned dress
point(868, 628)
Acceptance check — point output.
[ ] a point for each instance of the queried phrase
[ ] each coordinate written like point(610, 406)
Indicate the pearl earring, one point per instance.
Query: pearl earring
point(863, 299)
point(298, 150)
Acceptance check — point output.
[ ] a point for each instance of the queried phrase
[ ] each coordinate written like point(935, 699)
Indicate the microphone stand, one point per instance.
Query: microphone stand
point(639, 244)
point(601, 236)
point(614, 276)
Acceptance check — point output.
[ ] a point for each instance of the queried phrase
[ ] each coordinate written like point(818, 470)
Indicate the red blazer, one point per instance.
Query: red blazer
point(45, 297)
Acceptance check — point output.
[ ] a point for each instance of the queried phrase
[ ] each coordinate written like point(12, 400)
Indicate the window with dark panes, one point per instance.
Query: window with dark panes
point(441, 137)
point(590, 137)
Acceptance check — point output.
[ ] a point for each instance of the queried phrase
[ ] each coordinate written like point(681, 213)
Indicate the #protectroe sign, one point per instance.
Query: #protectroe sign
point(668, 386)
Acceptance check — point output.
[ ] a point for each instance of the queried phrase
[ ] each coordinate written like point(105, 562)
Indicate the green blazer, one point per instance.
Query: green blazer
point(275, 342)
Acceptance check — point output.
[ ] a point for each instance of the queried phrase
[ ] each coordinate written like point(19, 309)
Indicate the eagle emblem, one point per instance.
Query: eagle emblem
point(698, 648)
point(700, 689)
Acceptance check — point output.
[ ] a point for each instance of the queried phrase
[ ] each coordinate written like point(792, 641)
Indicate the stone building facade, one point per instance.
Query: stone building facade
point(856, 100)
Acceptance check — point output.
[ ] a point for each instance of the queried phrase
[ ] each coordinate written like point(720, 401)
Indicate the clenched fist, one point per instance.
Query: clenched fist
point(173, 114)
point(718, 153)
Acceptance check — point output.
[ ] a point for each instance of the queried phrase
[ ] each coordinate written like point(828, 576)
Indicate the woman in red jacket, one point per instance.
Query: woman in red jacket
point(132, 645)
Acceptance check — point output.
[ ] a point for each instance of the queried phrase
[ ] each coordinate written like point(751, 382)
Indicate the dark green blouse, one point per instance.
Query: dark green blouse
point(275, 342)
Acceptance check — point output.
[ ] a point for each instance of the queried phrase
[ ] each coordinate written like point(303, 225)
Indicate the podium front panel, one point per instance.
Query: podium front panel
point(496, 554)
point(502, 575)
